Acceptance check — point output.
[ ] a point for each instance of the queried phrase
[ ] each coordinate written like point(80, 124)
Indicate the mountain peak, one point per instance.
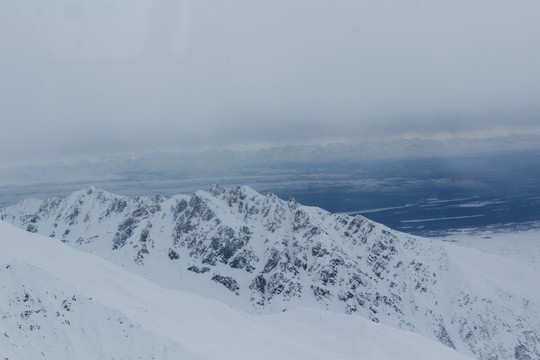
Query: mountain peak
point(92, 191)
point(217, 190)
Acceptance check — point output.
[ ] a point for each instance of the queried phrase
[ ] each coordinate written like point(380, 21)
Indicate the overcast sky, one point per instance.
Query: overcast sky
point(92, 78)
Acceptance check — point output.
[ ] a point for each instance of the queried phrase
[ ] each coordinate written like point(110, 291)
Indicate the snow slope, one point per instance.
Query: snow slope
point(263, 255)
point(59, 303)
point(521, 245)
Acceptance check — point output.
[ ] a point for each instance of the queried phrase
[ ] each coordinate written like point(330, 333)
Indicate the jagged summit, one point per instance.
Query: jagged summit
point(92, 191)
point(265, 255)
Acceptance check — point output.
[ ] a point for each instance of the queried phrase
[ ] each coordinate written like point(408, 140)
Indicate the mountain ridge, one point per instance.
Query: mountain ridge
point(265, 255)
point(58, 302)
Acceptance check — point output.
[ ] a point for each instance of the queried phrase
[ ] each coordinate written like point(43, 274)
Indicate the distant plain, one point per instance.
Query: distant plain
point(422, 195)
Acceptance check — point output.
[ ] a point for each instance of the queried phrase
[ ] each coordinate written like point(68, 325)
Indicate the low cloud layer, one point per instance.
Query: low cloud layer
point(93, 78)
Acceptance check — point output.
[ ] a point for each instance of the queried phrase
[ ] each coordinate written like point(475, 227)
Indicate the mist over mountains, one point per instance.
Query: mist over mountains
point(96, 79)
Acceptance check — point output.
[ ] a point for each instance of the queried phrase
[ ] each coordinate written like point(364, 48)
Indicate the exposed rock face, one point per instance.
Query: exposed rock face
point(263, 255)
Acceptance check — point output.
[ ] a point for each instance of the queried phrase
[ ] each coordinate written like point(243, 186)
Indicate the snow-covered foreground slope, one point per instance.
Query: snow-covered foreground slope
point(59, 303)
point(521, 245)
point(263, 255)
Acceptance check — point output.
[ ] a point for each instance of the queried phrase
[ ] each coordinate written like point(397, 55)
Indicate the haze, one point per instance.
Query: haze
point(91, 78)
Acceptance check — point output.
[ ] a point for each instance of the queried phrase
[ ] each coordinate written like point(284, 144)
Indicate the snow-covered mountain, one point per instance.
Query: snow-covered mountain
point(60, 303)
point(264, 255)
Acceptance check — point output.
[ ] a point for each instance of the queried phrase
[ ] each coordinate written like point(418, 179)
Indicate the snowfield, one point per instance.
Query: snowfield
point(521, 245)
point(60, 303)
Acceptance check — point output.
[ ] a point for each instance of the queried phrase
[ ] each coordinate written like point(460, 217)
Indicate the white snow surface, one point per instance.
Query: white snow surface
point(261, 255)
point(522, 246)
point(60, 303)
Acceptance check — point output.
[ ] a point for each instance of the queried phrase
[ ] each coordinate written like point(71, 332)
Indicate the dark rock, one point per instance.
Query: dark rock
point(125, 231)
point(319, 292)
point(272, 262)
point(198, 270)
point(258, 284)
point(522, 353)
point(73, 216)
point(180, 207)
point(144, 235)
point(319, 251)
point(245, 260)
point(173, 255)
point(228, 282)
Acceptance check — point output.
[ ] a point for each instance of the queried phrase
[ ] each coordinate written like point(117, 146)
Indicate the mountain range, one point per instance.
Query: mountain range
point(60, 303)
point(267, 258)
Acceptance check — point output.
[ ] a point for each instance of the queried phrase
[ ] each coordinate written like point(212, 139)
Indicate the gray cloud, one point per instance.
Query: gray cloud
point(93, 78)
